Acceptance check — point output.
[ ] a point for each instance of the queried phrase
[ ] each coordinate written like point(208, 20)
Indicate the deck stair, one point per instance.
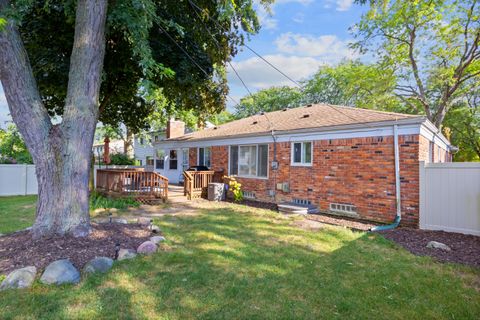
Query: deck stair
point(294, 208)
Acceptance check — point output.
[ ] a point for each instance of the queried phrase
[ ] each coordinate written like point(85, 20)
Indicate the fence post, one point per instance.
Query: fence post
point(25, 170)
point(422, 188)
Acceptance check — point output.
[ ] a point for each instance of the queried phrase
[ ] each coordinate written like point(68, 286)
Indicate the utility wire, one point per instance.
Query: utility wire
point(249, 48)
point(190, 57)
point(270, 64)
point(219, 48)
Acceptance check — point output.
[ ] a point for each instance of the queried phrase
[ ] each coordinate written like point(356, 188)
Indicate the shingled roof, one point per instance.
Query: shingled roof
point(307, 117)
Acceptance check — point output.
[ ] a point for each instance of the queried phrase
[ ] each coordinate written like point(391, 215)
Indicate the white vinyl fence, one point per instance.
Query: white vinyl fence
point(20, 179)
point(17, 179)
point(450, 197)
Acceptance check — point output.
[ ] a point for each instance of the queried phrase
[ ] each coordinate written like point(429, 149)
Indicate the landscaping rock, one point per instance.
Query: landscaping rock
point(122, 221)
point(126, 254)
point(19, 279)
point(157, 239)
point(60, 272)
point(438, 245)
point(144, 221)
point(148, 247)
point(155, 229)
point(98, 264)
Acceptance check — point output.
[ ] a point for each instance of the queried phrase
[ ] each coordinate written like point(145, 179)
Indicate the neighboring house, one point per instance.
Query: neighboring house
point(143, 148)
point(340, 159)
point(115, 146)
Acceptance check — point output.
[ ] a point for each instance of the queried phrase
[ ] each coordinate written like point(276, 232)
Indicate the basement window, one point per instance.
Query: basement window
point(343, 208)
point(304, 202)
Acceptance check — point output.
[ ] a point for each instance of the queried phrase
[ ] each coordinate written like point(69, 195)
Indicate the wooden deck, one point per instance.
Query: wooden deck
point(196, 182)
point(143, 185)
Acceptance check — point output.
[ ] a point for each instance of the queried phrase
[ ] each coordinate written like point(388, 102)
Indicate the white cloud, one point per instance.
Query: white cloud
point(259, 75)
point(328, 48)
point(266, 18)
point(344, 5)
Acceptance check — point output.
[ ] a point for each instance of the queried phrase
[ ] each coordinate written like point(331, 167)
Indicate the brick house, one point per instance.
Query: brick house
point(340, 159)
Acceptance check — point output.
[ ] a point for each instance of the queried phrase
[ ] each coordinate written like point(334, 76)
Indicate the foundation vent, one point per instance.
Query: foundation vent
point(248, 195)
point(343, 208)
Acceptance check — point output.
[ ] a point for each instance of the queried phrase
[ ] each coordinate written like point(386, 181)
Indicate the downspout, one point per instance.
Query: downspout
point(398, 216)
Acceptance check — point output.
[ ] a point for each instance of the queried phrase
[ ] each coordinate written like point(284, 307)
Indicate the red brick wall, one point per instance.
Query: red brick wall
point(439, 153)
point(175, 129)
point(356, 171)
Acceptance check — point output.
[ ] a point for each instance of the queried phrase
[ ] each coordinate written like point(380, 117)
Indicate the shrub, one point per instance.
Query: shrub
point(97, 201)
point(236, 188)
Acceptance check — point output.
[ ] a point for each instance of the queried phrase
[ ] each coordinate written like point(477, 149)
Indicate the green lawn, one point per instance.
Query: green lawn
point(16, 213)
point(232, 262)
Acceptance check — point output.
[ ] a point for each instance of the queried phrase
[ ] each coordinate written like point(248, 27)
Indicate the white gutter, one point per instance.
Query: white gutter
point(398, 216)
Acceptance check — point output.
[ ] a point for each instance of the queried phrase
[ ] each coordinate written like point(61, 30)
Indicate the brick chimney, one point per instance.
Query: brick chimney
point(175, 128)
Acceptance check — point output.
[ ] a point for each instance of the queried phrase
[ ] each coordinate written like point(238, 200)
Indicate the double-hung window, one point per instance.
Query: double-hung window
point(249, 161)
point(173, 160)
point(160, 162)
point(204, 155)
point(185, 158)
point(302, 153)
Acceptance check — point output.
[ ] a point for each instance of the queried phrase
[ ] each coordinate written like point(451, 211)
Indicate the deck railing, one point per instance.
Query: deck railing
point(196, 182)
point(135, 182)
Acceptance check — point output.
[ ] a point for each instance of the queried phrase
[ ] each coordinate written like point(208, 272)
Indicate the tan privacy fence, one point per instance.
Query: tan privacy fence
point(450, 197)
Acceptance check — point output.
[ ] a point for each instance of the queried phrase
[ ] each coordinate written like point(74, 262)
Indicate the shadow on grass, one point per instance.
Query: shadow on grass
point(229, 263)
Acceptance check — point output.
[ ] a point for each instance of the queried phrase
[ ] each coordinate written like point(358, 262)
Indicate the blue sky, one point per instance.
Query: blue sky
point(299, 37)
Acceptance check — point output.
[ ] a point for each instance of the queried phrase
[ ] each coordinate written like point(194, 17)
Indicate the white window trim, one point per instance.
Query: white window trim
point(301, 164)
point(250, 176)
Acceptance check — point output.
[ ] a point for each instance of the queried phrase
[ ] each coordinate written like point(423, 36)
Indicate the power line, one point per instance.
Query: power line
point(249, 48)
point(218, 46)
point(270, 64)
point(189, 56)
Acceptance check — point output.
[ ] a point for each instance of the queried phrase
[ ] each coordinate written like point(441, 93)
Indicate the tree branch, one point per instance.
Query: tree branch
point(86, 62)
point(21, 91)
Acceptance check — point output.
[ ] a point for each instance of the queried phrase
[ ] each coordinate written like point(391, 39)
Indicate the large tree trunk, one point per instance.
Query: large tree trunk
point(61, 153)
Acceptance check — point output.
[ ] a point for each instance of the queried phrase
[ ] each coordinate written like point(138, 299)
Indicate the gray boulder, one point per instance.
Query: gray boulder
point(438, 245)
point(19, 279)
point(157, 239)
point(148, 247)
point(126, 254)
point(155, 229)
point(98, 264)
point(121, 221)
point(60, 272)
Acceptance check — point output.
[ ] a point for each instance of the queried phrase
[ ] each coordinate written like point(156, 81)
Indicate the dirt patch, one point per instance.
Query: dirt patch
point(19, 250)
point(340, 221)
point(256, 204)
point(465, 248)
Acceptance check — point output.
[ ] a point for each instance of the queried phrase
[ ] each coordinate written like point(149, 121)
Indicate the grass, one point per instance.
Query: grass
point(233, 262)
point(18, 212)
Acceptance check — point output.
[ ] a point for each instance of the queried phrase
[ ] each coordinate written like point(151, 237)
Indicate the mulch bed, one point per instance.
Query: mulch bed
point(465, 248)
point(19, 250)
